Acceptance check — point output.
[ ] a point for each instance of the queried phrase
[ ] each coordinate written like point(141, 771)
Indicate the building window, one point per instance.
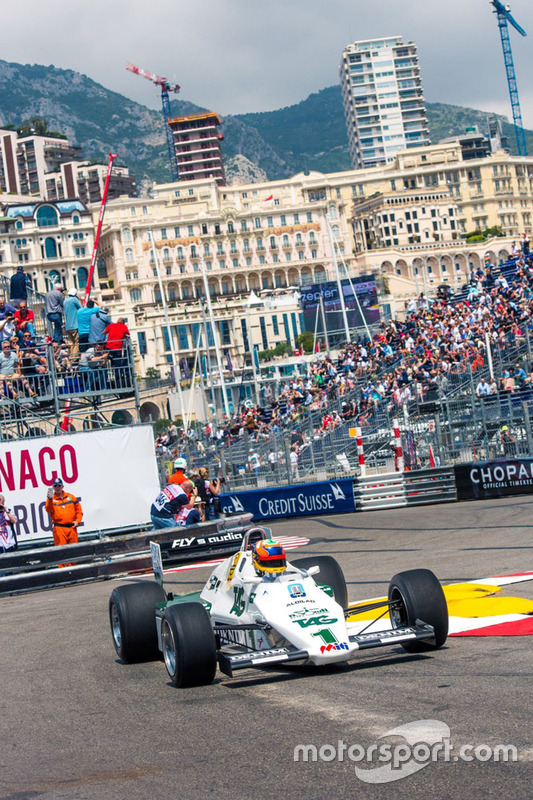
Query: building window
point(296, 219)
point(141, 337)
point(177, 233)
point(50, 248)
point(235, 262)
point(244, 226)
point(275, 326)
point(206, 249)
point(231, 228)
point(190, 230)
point(46, 217)
point(193, 251)
point(75, 219)
point(135, 295)
point(164, 233)
point(82, 276)
point(309, 216)
point(264, 337)
point(283, 219)
point(257, 222)
point(270, 222)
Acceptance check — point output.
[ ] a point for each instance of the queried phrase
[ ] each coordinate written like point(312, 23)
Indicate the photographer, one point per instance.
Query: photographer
point(208, 491)
point(8, 537)
point(8, 327)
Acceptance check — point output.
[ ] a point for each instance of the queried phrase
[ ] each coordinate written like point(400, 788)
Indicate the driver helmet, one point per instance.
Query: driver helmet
point(180, 463)
point(268, 557)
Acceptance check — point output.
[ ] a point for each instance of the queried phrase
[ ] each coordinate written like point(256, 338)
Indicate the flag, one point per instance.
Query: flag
point(185, 369)
point(268, 199)
point(317, 346)
point(301, 351)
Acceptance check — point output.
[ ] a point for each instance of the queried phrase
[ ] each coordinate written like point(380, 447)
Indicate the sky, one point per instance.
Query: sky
point(236, 56)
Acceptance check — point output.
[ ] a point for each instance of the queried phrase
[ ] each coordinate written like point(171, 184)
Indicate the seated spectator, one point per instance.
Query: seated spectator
point(8, 328)
point(93, 365)
point(24, 319)
point(60, 355)
point(10, 376)
point(5, 308)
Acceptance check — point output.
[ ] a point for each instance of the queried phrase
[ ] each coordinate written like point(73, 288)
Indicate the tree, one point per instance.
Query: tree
point(305, 341)
point(37, 126)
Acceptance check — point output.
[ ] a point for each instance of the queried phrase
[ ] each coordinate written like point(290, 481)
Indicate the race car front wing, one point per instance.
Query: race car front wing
point(230, 662)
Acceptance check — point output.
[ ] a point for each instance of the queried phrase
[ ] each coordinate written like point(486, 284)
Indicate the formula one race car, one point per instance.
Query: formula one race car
point(258, 609)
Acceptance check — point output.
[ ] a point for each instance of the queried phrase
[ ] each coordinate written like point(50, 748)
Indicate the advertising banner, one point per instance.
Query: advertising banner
point(305, 500)
point(366, 290)
point(113, 472)
point(488, 479)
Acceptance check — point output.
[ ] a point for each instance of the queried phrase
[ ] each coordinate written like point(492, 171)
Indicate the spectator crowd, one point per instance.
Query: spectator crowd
point(435, 346)
point(81, 343)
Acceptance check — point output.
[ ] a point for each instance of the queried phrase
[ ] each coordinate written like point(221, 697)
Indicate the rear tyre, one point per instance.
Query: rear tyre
point(188, 644)
point(417, 595)
point(132, 620)
point(330, 574)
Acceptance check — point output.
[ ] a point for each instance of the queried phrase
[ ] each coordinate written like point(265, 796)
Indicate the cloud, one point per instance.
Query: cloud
point(245, 55)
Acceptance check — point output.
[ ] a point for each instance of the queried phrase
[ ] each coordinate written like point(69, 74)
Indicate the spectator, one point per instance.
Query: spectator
point(97, 325)
point(8, 327)
point(508, 441)
point(84, 316)
point(8, 537)
point(294, 455)
point(483, 388)
point(93, 365)
point(9, 366)
point(18, 286)
point(6, 308)
point(65, 512)
point(71, 307)
point(54, 311)
point(117, 334)
point(208, 491)
point(24, 319)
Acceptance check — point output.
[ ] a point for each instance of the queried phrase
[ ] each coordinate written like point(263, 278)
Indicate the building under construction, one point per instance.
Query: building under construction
point(197, 142)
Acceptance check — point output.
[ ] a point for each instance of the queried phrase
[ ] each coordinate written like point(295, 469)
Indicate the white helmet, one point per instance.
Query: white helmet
point(180, 463)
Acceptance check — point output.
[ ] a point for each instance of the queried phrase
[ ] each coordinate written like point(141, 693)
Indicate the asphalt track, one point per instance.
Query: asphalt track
point(76, 723)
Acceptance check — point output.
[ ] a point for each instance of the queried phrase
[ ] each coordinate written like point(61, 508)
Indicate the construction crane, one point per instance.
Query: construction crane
point(166, 87)
point(504, 17)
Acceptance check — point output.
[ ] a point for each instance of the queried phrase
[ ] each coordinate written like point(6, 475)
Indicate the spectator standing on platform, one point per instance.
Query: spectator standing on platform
point(24, 319)
point(116, 336)
point(65, 512)
point(8, 538)
point(71, 307)
point(84, 316)
point(97, 325)
point(53, 303)
point(18, 286)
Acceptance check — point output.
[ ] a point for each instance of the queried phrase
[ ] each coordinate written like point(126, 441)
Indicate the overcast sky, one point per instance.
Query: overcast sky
point(244, 55)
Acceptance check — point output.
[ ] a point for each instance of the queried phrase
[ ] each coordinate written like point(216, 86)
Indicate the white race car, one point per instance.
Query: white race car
point(258, 609)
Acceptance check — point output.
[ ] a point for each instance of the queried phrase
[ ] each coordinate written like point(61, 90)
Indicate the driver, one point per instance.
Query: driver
point(268, 557)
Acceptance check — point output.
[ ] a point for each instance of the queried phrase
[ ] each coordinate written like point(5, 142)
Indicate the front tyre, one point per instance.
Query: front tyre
point(188, 644)
point(417, 595)
point(330, 575)
point(132, 620)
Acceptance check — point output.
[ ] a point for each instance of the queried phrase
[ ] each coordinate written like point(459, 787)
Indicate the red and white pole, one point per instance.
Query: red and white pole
point(112, 157)
point(360, 451)
point(399, 463)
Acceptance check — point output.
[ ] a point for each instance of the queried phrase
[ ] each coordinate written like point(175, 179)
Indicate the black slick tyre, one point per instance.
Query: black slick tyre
point(132, 620)
point(188, 643)
point(330, 575)
point(417, 595)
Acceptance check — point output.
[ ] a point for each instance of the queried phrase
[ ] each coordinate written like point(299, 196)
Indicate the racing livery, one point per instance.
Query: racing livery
point(257, 609)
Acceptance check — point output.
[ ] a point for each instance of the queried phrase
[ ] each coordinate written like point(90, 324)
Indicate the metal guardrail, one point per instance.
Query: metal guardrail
point(98, 559)
point(398, 489)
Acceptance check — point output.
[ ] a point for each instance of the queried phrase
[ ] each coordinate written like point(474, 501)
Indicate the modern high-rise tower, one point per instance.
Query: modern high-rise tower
point(383, 100)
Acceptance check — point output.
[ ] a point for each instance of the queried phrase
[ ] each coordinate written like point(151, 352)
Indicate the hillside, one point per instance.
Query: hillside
point(276, 144)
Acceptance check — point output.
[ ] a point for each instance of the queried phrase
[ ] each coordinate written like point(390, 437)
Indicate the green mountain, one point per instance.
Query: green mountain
point(310, 135)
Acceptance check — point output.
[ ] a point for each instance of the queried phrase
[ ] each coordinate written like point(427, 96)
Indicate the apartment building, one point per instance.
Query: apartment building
point(383, 100)
point(49, 167)
point(197, 142)
point(53, 241)
point(404, 220)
